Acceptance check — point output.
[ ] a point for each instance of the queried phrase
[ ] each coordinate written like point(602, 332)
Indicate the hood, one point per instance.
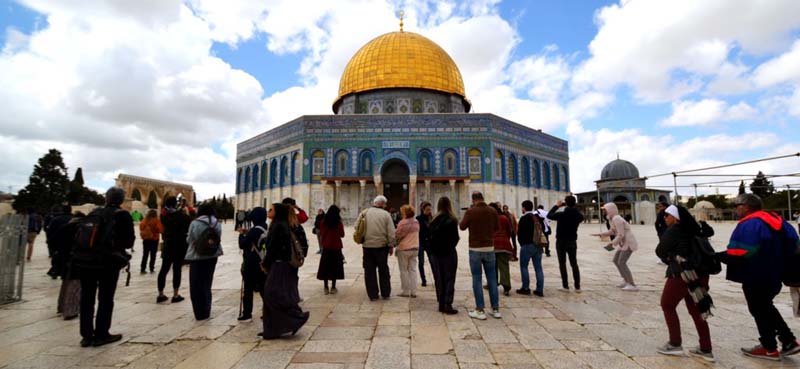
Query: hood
point(611, 210)
point(259, 215)
point(773, 221)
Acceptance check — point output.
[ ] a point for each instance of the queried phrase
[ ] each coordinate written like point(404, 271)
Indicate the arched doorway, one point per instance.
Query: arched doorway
point(394, 175)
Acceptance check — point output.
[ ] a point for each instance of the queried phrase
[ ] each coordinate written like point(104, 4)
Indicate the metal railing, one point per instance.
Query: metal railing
point(13, 238)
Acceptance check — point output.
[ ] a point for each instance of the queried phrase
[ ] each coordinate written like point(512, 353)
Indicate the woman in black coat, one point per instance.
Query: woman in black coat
point(442, 253)
point(282, 314)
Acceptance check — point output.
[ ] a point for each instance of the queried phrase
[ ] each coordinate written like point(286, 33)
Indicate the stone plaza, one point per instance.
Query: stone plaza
point(601, 328)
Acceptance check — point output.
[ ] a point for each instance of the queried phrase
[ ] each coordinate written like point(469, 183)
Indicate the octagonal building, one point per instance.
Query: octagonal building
point(402, 128)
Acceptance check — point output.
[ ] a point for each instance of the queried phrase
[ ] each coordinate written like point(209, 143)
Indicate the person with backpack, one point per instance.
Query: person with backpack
point(625, 242)
point(755, 257)
point(101, 239)
point(282, 314)
point(675, 250)
point(531, 246)
point(176, 226)
point(150, 229)
point(443, 255)
point(253, 251)
point(331, 263)
point(545, 227)
point(205, 247)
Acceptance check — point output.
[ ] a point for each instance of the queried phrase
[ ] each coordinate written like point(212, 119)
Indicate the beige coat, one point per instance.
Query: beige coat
point(623, 237)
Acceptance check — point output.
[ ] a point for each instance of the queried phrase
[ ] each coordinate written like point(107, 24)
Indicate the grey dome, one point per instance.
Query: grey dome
point(619, 169)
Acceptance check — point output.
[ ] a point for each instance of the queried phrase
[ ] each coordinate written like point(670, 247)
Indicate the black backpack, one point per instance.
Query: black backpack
point(93, 243)
point(209, 241)
point(703, 258)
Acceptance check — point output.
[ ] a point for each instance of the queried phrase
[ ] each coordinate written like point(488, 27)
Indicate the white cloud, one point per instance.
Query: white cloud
point(707, 112)
point(783, 68)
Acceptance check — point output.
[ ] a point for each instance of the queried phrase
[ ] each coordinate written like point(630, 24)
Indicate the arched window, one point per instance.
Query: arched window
point(342, 163)
point(645, 197)
point(263, 174)
point(273, 173)
point(526, 172)
point(255, 178)
point(450, 160)
point(512, 169)
point(317, 163)
point(239, 180)
point(537, 170)
point(365, 162)
point(285, 179)
point(498, 166)
point(136, 195)
point(548, 184)
point(246, 180)
point(564, 178)
point(475, 164)
point(296, 172)
point(424, 167)
point(556, 178)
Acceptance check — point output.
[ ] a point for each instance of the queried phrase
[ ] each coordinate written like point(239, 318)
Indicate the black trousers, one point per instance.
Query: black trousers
point(768, 320)
point(201, 276)
point(176, 274)
point(101, 285)
point(421, 264)
point(250, 287)
point(569, 249)
point(444, 274)
point(377, 258)
point(150, 247)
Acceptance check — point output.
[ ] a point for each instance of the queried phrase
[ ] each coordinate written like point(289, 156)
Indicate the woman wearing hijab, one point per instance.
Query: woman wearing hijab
point(282, 314)
point(252, 275)
point(623, 240)
point(443, 255)
point(331, 263)
point(674, 249)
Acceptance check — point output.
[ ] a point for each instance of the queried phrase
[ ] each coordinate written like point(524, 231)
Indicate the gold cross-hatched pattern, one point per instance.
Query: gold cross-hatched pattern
point(401, 59)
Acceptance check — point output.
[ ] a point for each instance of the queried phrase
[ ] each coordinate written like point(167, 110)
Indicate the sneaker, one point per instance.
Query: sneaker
point(760, 352)
point(178, 298)
point(564, 289)
point(86, 342)
point(707, 356)
point(477, 314)
point(245, 318)
point(524, 291)
point(106, 340)
point(623, 284)
point(630, 288)
point(327, 291)
point(161, 299)
point(496, 314)
point(334, 291)
point(669, 349)
point(538, 293)
point(790, 349)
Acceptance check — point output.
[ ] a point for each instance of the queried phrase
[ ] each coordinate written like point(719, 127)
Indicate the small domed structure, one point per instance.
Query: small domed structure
point(704, 205)
point(619, 169)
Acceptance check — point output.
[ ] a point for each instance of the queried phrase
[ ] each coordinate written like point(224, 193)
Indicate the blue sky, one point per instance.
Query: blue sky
point(667, 85)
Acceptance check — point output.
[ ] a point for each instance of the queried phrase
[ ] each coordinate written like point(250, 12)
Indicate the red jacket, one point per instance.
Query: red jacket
point(502, 238)
point(331, 238)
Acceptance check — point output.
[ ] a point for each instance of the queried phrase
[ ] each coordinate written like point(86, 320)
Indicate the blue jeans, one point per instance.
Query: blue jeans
point(526, 254)
point(489, 263)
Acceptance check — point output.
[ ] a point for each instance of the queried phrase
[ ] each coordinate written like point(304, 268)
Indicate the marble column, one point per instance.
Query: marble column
point(428, 193)
point(336, 193)
point(412, 190)
point(378, 185)
point(362, 183)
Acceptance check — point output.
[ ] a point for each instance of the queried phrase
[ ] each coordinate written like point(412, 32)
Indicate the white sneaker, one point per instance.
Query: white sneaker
point(496, 314)
point(477, 314)
point(630, 288)
point(562, 289)
point(623, 284)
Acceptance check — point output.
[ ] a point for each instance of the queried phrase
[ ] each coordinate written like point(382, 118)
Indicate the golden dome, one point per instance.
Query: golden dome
point(400, 59)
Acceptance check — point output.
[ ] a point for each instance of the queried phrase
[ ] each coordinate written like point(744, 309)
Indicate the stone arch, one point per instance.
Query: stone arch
point(621, 198)
point(402, 157)
point(136, 195)
point(395, 174)
point(152, 199)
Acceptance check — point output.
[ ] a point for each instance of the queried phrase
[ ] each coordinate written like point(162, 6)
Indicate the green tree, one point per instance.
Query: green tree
point(152, 202)
point(741, 188)
point(48, 185)
point(762, 186)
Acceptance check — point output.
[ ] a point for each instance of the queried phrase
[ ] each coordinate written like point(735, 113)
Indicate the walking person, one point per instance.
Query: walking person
point(150, 230)
point(545, 226)
point(569, 219)
point(379, 241)
point(443, 255)
point(482, 222)
point(532, 243)
point(316, 230)
point(282, 314)
point(176, 227)
point(513, 219)
point(674, 249)
point(252, 253)
point(205, 247)
point(34, 228)
point(407, 235)
point(69, 295)
point(331, 263)
point(101, 239)
point(424, 219)
point(625, 243)
point(755, 259)
point(503, 248)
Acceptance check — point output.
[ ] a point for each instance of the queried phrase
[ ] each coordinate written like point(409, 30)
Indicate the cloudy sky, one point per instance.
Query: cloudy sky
point(166, 88)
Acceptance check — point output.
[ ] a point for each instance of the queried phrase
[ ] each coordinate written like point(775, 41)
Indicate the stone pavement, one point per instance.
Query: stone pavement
point(600, 328)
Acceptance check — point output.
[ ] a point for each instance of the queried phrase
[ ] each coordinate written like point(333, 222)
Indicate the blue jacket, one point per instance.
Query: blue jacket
point(755, 253)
